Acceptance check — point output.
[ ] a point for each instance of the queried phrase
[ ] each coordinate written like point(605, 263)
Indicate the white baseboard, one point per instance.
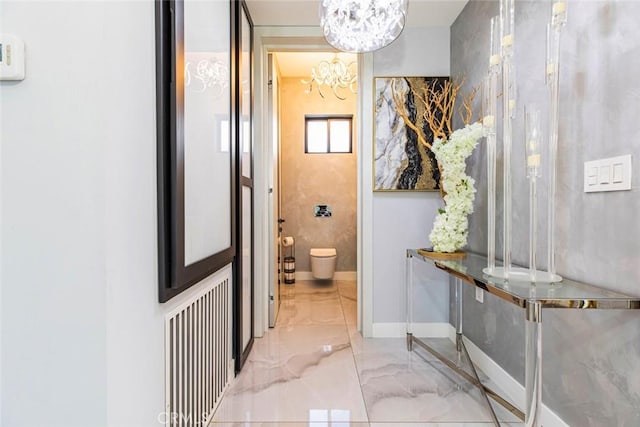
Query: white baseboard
point(338, 275)
point(513, 390)
point(399, 330)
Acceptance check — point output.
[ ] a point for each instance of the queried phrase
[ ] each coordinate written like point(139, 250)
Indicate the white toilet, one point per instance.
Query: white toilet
point(323, 262)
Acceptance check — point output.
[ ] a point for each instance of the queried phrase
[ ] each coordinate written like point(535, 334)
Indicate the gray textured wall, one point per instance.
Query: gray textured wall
point(403, 220)
point(317, 179)
point(591, 368)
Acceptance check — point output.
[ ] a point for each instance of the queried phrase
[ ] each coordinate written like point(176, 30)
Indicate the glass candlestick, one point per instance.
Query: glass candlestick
point(495, 45)
point(507, 27)
point(554, 29)
point(533, 137)
point(489, 122)
point(507, 24)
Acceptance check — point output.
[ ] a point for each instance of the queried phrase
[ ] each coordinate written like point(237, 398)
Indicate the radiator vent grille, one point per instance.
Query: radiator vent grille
point(198, 353)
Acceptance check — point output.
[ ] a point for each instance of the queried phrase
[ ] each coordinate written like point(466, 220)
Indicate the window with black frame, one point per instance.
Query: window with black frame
point(328, 134)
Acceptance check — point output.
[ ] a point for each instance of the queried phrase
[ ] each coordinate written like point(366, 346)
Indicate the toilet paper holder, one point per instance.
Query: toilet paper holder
point(289, 262)
point(287, 241)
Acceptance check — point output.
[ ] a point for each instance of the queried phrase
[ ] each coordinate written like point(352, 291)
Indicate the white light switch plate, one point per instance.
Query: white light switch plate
point(612, 174)
point(479, 295)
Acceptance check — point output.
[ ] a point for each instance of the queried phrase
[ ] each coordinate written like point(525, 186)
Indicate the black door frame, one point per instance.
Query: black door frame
point(241, 354)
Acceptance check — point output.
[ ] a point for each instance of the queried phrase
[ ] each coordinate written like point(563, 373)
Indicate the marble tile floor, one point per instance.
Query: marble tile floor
point(314, 369)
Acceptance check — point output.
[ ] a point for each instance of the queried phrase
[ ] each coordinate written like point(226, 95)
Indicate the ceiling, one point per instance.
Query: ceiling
point(421, 13)
point(298, 64)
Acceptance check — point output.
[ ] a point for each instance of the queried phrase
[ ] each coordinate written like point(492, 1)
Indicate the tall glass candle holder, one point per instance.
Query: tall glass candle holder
point(506, 24)
point(554, 30)
point(489, 122)
point(533, 156)
point(507, 36)
point(533, 142)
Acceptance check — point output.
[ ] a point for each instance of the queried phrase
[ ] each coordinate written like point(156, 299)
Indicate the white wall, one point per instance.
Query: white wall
point(135, 340)
point(403, 220)
point(53, 270)
point(82, 331)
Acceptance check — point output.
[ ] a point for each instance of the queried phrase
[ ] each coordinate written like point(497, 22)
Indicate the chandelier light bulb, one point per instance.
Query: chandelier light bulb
point(362, 25)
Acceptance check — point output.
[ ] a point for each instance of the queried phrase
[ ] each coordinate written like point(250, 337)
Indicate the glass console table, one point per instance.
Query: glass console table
point(532, 298)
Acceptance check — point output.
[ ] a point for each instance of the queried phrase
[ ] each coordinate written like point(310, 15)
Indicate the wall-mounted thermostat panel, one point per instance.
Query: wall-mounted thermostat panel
point(11, 57)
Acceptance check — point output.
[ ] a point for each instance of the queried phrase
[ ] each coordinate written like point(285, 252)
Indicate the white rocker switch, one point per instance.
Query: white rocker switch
point(617, 173)
point(605, 175)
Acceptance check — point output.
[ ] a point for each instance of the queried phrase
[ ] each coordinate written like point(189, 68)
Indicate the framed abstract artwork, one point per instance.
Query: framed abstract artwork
point(401, 161)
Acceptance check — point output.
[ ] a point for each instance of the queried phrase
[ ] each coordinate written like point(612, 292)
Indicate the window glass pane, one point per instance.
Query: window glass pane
point(340, 136)
point(247, 295)
point(245, 63)
point(317, 136)
point(207, 161)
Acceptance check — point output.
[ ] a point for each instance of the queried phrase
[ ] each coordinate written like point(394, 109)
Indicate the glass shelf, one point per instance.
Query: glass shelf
point(564, 294)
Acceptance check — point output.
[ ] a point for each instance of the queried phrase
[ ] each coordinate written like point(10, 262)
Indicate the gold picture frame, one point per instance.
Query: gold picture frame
point(400, 161)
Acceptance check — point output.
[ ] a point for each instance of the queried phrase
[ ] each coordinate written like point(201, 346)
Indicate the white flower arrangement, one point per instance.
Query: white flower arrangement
point(451, 226)
point(451, 148)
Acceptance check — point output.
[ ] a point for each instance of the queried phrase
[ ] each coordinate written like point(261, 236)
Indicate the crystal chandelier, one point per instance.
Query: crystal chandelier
point(362, 25)
point(335, 74)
